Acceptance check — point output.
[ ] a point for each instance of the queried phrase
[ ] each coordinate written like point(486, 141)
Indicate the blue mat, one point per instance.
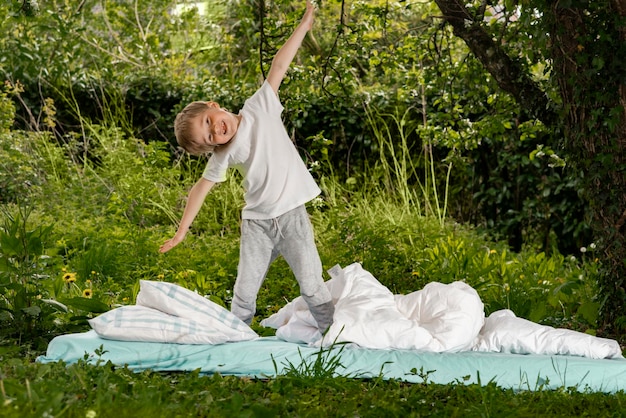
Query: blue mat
point(267, 356)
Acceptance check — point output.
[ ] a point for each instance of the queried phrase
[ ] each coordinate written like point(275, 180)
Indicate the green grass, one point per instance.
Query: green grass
point(101, 221)
point(79, 390)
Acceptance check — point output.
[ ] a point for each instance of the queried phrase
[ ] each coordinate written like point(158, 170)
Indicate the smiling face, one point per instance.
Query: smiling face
point(215, 126)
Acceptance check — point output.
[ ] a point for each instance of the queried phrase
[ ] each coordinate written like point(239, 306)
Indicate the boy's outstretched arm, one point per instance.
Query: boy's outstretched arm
point(196, 197)
point(284, 56)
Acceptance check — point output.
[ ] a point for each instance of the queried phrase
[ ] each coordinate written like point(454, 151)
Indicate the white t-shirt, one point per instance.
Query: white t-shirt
point(275, 178)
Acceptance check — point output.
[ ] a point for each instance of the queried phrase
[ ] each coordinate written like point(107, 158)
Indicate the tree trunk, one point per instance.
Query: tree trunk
point(588, 51)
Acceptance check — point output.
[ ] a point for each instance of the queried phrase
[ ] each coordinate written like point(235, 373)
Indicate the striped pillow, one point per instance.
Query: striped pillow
point(176, 300)
point(169, 313)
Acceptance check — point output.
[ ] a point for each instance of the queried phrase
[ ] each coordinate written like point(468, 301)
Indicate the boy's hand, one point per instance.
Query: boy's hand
point(309, 15)
point(170, 243)
point(287, 52)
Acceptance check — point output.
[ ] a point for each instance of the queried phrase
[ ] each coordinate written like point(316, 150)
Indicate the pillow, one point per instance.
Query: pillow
point(139, 323)
point(183, 303)
point(166, 312)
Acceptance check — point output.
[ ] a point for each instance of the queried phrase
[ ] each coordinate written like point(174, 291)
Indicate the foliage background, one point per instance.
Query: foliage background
point(142, 62)
point(441, 181)
point(428, 171)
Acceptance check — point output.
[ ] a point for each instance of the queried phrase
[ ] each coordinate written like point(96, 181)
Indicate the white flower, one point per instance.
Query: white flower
point(583, 249)
point(592, 245)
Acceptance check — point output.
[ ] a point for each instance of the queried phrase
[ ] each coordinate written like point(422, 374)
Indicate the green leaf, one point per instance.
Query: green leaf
point(6, 315)
point(538, 312)
point(33, 311)
point(589, 311)
point(85, 304)
point(568, 287)
point(217, 300)
point(55, 304)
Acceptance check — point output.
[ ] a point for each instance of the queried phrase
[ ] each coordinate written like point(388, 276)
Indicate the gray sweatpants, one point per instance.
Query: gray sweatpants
point(262, 241)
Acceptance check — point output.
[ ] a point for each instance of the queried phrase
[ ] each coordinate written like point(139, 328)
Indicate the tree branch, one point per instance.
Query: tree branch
point(507, 72)
point(327, 63)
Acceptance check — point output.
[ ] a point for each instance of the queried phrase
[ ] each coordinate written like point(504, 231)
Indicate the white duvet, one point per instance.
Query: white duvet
point(438, 318)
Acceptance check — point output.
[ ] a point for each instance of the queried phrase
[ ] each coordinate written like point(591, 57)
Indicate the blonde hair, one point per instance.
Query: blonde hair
point(182, 129)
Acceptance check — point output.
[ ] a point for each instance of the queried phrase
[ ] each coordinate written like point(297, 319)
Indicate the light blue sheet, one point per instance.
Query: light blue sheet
point(265, 356)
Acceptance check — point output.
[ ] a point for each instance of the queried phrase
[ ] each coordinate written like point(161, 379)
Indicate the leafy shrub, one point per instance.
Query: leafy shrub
point(18, 174)
point(527, 200)
point(22, 269)
point(31, 298)
point(532, 285)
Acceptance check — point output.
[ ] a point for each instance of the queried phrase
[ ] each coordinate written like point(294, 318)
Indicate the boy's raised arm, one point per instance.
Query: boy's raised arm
point(283, 58)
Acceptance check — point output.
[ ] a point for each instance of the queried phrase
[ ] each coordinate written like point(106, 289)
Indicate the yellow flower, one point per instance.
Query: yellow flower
point(161, 276)
point(87, 293)
point(88, 283)
point(69, 277)
point(93, 272)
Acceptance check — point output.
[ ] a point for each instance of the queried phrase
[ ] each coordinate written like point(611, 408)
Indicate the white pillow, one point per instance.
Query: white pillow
point(166, 312)
point(176, 300)
point(139, 323)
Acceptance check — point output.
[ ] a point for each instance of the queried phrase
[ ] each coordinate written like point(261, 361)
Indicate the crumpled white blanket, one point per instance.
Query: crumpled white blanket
point(438, 318)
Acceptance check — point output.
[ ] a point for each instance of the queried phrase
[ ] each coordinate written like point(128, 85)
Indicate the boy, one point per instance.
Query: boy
point(277, 184)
